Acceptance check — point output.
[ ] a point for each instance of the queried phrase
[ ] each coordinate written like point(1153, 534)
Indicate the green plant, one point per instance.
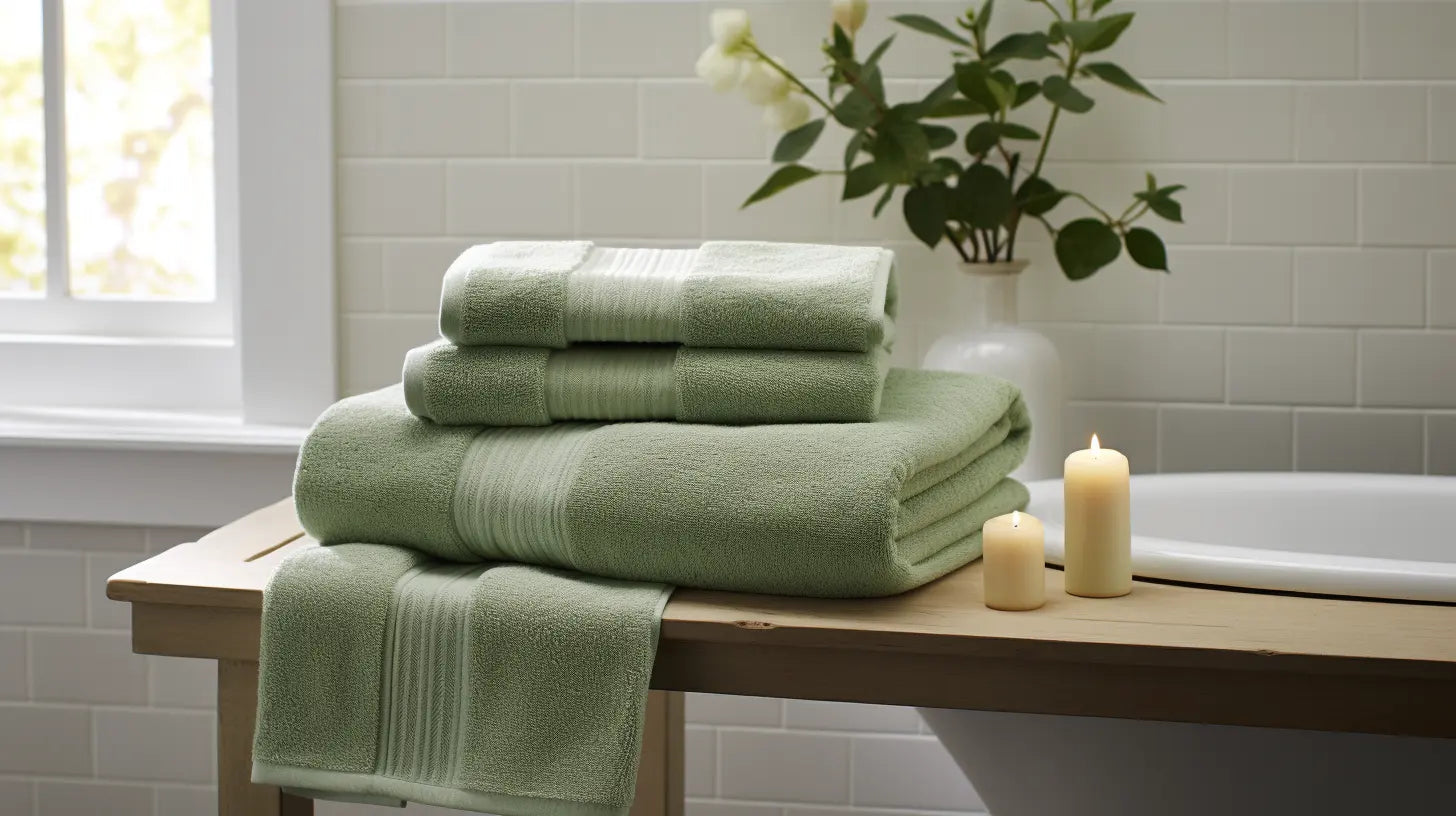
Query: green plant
point(976, 200)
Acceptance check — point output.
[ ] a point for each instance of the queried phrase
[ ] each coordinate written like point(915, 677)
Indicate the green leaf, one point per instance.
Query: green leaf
point(953, 108)
point(1109, 28)
point(1115, 75)
point(782, 178)
point(852, 149)
point(843, 44)
point(1060, 92)
point(983, 20)
point(983, 196)
point(978, 83)
point(796, 143)
point(1146, 249)
point(982, 137)
point(1011, 130)
point(858, 109)
point(1078, 32)
point(1167, 209)
point(941, 168)
point(1025, 92)
point(874, 58)
point(1029, 46)
point(1037, 196)
point(884, 199)
point(925, 213)
point(1097, 5)
point(861, 181)
point(901, 147)
point(1152, 182)
point(938, 136)
point(1085, 246)
point(943, 93)
point(925, 25)
point(1160, 200)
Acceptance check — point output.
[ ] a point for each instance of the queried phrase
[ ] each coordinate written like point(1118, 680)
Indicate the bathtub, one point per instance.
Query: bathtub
point(1369, 536)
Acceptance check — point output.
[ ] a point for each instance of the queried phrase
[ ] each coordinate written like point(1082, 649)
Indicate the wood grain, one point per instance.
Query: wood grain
point(237, 703)
point(1166, 651)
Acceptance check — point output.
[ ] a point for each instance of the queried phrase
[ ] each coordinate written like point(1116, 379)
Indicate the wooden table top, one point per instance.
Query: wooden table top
point(1164, 652)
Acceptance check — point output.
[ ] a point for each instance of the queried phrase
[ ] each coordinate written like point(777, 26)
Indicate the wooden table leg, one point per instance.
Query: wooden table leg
point(237, 705)
point(660, 774)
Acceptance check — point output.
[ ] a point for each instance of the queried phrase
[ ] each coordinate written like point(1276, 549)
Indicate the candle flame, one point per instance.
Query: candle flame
point(1015, 518)
point(1095, 444)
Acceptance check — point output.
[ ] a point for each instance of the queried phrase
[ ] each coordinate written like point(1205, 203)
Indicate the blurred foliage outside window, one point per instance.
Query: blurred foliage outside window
point(138, 149)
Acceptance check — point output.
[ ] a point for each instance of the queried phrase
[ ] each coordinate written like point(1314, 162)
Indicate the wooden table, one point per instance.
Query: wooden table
point(1166, 652)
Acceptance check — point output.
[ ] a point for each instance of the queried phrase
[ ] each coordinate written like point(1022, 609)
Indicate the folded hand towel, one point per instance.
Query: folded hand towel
point(838, 510)
point(727, 294)
point(507, 689)
point(525, 385)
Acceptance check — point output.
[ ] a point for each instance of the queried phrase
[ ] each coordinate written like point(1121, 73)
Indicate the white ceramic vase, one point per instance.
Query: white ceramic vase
point(990, 341)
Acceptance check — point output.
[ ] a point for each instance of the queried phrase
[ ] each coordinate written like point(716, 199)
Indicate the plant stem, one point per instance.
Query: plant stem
point(960, 250)
point(975, 245)
point(1051, 8)
point(752, 46)
point(1085, 200)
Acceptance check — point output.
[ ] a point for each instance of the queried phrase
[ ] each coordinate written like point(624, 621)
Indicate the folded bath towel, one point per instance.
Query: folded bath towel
point(727, 294)
point(838, 510)
point(525, 385)
point(509, 689)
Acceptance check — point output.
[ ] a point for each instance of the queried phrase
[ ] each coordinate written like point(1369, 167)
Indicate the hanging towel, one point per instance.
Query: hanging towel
point(834, 510)
point(726, 294)
point(510, 689)
point(524, 385)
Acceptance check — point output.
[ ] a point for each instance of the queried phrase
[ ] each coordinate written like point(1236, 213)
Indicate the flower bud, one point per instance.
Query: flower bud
point(850, 14)
point(787, 113)
point(763, 85)
point(723, 71)
point(729, 27)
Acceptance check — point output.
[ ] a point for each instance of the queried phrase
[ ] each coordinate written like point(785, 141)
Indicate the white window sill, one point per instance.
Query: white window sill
point(139, 467)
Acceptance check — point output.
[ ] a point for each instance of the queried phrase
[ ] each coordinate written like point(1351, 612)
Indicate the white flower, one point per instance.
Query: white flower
point(787, 113)
point(763, 85)
point(723, 71)
point(850, 14)
point(729, 27)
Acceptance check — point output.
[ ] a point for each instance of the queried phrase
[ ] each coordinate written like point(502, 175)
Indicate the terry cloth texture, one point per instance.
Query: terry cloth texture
point(504, 688)
point(832, 510)
point(726, 294)
point(523, 385)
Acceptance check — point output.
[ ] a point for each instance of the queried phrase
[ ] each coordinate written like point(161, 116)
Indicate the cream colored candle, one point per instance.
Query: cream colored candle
point(1098, 530)
point(1014, 573)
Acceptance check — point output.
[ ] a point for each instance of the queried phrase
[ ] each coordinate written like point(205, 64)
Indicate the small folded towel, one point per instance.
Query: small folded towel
point(509, 689)
point(726, 294)
point(525, 385)
point(836, 510)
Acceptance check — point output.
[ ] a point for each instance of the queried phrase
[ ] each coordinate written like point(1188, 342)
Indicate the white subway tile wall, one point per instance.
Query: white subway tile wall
point(86, 726)
point(1309, 322)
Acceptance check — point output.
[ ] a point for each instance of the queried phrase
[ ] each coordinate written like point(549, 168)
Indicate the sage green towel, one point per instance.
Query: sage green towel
point(837, 510)
point(504, 688)
point(726, 294)
point(525, 385)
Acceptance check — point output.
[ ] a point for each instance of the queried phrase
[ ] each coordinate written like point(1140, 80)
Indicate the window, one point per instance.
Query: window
point(107, 198)
point(166, 211)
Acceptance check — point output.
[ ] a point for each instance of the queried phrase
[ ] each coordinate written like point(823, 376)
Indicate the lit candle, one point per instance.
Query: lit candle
point(1014, 574)
point(1098, 533)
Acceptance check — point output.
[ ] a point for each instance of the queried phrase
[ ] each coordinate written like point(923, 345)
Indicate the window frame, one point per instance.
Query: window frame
point(265, 350)
point(224, 416)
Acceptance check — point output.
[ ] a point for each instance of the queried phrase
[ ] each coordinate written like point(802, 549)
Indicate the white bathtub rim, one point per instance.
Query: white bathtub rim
point(1269, 569)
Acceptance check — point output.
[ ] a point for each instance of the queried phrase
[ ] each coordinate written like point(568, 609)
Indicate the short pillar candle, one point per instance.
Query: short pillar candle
point(1014, 573)
point(1098, 531)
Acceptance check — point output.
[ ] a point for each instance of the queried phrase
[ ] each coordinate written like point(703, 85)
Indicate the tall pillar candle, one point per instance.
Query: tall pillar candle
point(1098, 531)
point(1014, 573)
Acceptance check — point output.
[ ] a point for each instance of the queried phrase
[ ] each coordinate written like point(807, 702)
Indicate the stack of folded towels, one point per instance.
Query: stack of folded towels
point(479, 630)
